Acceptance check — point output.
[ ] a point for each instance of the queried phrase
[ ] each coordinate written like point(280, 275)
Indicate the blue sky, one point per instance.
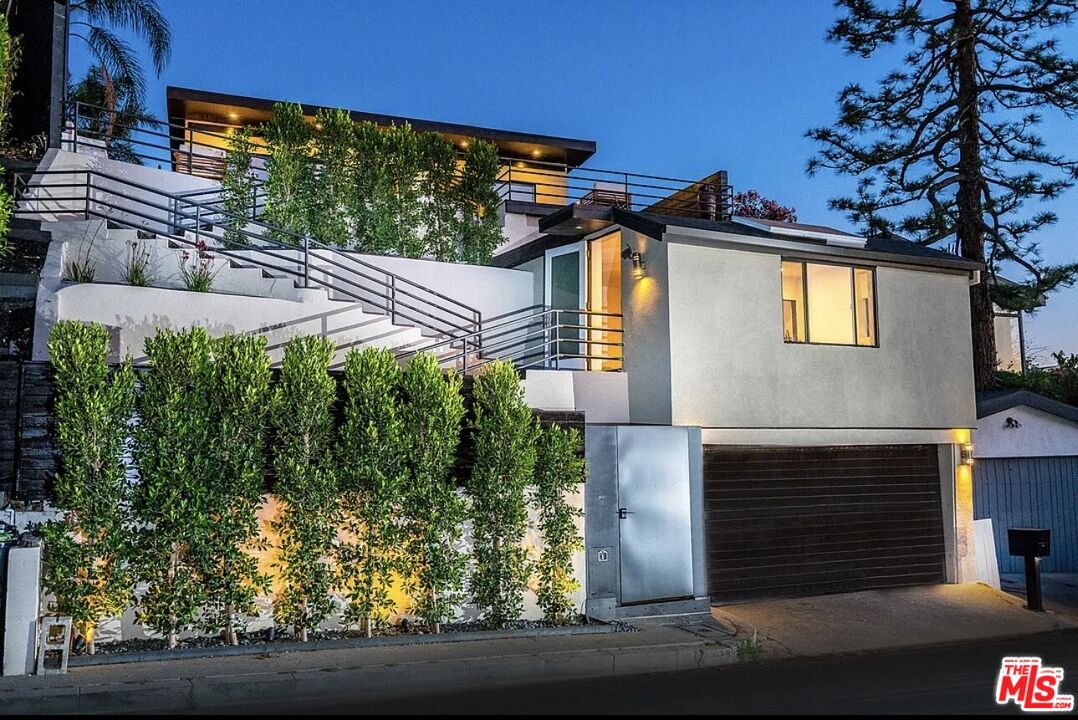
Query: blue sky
point(669, 88)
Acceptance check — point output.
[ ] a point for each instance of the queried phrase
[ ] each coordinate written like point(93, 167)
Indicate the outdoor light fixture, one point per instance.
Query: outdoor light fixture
point(1011, 424)
point(639, 268)
point(967, 454)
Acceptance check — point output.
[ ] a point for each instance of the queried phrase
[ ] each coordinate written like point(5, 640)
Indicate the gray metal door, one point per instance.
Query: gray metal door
point(655, 514)
point(1030, 492)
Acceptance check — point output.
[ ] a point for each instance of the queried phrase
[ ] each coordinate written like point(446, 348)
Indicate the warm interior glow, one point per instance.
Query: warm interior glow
point(604, 295)
point(864, 298)
point(830, 305)
point(793, 302)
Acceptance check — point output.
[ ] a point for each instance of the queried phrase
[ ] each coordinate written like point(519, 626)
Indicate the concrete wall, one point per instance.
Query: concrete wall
point(1040, 435)
point(493, 291)
point(730, 368)
point(646, 307)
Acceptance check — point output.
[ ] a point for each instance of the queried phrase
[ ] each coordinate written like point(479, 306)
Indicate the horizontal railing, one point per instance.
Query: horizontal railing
point(547, 183)
point(92, 128)
point(542, 337)
point(248, 242)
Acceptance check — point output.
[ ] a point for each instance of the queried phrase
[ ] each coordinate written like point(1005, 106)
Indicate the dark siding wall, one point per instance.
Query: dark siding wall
point(1030, 492)
point(785, 522)
point(27, 463)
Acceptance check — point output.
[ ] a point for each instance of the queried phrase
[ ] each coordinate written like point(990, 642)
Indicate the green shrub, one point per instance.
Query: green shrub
point(371, 466)
point(306, 486)
point(334, 180)
point(504, 431)
point(1059, 382)
point(173, 502)
point(559, 471)
point(86, 561)
point(480, 229)
point(238, 397)
point(238, 186)
point(432, 415)
point(289, 171)
point(10, 57)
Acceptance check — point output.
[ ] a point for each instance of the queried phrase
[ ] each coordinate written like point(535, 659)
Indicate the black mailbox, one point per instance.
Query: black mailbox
point(1030, 542)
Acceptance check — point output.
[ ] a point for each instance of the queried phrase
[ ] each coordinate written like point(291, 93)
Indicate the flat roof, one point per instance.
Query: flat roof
point(574, 222)
point(226, 109)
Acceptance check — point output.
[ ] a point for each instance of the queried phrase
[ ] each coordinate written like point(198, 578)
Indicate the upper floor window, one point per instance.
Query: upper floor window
point(828, 304)
point(521, 191)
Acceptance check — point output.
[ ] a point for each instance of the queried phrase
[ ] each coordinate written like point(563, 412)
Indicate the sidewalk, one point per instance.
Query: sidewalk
point(882, 619)
point(375, 673)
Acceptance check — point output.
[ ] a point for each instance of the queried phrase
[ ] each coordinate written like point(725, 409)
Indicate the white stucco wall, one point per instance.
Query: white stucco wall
point(645, 306)
point(1040, 435)
point(109, 191)
point(730, 369)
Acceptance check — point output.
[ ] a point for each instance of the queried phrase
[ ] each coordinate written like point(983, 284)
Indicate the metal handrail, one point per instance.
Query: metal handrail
point(553, 183)
point(391, 292)
point(538, 331)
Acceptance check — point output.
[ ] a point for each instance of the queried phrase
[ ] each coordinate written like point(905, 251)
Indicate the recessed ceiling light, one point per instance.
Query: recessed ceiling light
point(536, 153)
point(464, 144)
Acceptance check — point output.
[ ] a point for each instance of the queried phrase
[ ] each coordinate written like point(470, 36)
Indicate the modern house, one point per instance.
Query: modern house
point(773, 409)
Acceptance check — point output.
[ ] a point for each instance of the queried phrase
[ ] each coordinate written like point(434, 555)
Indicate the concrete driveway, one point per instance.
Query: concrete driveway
point(1059, 590)
point(879, 619)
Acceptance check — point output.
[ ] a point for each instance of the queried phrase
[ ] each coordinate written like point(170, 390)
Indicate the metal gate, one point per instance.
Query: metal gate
point(1030, 492)
point(798, 521)
point(654, 514)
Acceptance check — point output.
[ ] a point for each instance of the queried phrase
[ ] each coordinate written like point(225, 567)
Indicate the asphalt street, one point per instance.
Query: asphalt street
point(941, 679)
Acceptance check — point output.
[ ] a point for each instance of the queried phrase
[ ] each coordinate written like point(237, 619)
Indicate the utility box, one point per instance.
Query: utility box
point(22, 602)
point(1035, 542)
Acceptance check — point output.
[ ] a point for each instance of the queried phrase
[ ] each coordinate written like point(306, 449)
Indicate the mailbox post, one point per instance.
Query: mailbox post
point(1031, 544)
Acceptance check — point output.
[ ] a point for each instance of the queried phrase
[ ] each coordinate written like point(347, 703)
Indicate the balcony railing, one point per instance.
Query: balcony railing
point(545, 183)
point(92, 129)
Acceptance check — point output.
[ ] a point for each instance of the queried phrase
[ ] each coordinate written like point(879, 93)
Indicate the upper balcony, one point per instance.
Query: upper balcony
point(539, 174)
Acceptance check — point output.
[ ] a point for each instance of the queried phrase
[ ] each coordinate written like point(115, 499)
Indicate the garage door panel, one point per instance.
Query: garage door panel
point(785, 522)
point(782, 546)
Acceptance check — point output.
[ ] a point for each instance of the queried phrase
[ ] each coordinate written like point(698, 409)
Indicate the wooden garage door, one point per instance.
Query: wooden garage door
point(787, 522)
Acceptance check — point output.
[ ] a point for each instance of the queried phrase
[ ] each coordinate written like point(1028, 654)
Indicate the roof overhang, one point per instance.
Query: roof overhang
point(185, 104)
point(994, 402)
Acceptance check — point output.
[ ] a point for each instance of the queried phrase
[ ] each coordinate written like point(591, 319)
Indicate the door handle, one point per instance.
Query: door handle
point(624, 513)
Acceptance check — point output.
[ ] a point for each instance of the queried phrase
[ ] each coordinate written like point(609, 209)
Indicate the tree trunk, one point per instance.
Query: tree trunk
point(970, 227)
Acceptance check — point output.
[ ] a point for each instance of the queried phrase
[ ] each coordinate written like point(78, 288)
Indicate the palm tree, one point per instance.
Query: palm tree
point(102, 103)
point(95, 22)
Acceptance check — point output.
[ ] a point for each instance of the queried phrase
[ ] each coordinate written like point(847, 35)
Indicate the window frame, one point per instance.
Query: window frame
point(853, 302)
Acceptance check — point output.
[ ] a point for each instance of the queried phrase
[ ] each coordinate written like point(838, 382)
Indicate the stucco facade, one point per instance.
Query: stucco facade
point(704, 347)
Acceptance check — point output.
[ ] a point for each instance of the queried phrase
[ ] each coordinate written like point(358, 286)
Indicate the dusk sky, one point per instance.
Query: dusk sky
point(668, 88)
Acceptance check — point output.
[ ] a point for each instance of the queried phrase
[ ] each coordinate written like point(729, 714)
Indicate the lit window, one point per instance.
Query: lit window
point(828, 304)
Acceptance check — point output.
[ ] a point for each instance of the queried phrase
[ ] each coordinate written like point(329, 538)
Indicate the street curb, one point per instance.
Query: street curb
point(335, 644)
point(370, 683)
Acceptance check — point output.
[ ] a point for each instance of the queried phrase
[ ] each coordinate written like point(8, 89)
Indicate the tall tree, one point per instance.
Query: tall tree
point(946, 147)
point(752, 204)
point(95, 22)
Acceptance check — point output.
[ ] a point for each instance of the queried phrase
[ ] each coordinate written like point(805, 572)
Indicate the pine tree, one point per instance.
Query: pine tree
point(948, 143)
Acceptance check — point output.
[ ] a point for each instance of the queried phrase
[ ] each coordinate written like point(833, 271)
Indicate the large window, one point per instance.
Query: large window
point(828, 304)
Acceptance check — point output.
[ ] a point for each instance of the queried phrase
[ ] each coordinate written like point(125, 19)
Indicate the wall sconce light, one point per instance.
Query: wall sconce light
point(639, 268)
point(967, 454)
point(1011, 424)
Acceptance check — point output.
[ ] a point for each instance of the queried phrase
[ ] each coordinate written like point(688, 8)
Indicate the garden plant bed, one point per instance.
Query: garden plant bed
point(155, 650)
